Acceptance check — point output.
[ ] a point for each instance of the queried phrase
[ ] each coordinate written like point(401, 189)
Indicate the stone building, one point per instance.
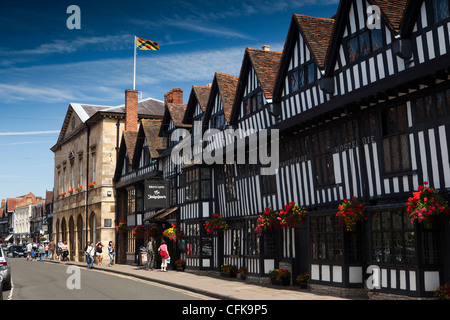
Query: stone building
point(85, 159)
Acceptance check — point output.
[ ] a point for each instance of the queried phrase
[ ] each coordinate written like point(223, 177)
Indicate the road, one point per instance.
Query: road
point(35, 280)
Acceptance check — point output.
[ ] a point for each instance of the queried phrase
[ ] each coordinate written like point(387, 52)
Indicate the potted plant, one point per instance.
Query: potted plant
point(122, 226)
point(216, 224)
point(91, 185)
point(243, 273)
point(138, 232)
point(351, 211)
point(302, 280)
point(443, 293)
point(180, 264)
point(228, 270)
point(292, 216)
point(70, 190)
point(425, 203)
point(280, 277)
point(79, 188)
point(173, 233)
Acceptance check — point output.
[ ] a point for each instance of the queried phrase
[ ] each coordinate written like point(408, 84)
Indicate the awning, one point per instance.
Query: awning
point(160, 214)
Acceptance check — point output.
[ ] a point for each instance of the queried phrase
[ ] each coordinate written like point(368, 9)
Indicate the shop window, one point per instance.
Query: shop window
point(192, 236)
point(253, 238)
point(393, 237)
point(326, 238)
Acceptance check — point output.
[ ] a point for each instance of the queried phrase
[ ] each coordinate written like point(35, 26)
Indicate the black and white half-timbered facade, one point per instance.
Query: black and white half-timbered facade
point(361, 106)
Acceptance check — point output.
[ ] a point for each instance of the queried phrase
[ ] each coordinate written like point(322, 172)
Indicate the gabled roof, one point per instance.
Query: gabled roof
point(174, 112)
point(392, 12)
point(129, 138)
point(200, 95)
point(156, 144)
point(266, 65)
point(226, 86)
point(148, 108)
point(317, 33)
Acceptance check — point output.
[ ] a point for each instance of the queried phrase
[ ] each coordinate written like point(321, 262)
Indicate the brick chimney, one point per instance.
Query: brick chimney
point(174, 96)
point(131, 110)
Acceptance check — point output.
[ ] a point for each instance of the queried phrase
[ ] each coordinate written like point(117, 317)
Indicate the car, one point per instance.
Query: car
point(5, 271)
point(1, 288)
point(17, 251)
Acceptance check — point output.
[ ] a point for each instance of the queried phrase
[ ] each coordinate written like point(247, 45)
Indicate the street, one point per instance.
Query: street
point(35, 280)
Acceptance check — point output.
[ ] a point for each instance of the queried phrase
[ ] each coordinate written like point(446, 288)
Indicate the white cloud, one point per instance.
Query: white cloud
point(29, 133)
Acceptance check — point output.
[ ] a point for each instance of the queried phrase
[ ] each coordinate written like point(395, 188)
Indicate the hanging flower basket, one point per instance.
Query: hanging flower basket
point(122, 226)
point(154, 231)
point(138, 232)
point(215, 225)
point(267, 221)
point(79, 188)
point(425, 203)
point(351, 211)
point(292, 216)
point(174, 233)
point(91, 185)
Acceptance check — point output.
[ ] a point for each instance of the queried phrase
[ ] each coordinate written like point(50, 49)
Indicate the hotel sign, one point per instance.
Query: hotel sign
point(156, 194)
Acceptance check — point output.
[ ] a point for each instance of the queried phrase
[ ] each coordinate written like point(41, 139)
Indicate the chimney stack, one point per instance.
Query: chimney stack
point(131, 110)
point(266, 48)
point(174, 96)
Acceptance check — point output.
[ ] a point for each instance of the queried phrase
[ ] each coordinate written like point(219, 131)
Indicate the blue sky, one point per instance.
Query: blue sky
point(44, 66)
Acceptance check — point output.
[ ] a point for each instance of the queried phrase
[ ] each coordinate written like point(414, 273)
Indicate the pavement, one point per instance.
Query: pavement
point(216, 287)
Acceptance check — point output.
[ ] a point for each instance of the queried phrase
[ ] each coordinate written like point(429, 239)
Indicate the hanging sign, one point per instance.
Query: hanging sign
point(156, 194)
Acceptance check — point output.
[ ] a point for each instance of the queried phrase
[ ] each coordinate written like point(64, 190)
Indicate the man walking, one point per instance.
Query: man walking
point(90, 252)
point(150, 253)
point(51, 249)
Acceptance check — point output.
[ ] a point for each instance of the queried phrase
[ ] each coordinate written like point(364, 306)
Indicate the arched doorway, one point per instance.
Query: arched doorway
point(63, 230)
point(80, 238)
point(71, 246)
point(93, 228)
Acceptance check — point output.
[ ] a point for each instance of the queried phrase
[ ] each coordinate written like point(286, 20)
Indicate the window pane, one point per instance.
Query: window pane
point(395, 155)
point(293, 81)
point(311, 73)
point(377, 39)
point(441, 104)
point(428, 108)
point(441, 10)
point(352, 49)
point(364, 44)
point(301, 78)
point(387, 156)
point(404, 143)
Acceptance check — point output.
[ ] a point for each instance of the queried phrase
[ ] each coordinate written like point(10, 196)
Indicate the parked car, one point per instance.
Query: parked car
point(17, 251)
point(5, 271)
point(1, 288)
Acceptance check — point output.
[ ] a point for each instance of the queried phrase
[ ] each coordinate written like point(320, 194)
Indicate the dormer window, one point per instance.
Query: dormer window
point(218, 120)
point(363, 44)
point(253, 102)
point(441, 10)
point(303, 76)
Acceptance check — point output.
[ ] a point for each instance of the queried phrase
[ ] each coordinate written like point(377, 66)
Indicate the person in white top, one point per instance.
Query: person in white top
point(90, 252)
point(29, 248)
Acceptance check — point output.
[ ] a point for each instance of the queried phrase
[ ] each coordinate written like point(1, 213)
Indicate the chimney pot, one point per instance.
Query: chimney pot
point(266, 48)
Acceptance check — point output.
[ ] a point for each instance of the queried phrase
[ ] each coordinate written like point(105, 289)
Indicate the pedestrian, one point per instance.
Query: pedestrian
point(29, 249)
point(41, 251)
point(51, 248)
point(99, 253)
point(150, 253)
point(164, 255)
point(47, 253)
point(112, 252)
point(90, 252)
point(59, 250)
point(65, 251)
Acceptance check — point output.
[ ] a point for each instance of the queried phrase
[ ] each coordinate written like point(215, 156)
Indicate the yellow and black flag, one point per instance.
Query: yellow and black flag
point(142, 44)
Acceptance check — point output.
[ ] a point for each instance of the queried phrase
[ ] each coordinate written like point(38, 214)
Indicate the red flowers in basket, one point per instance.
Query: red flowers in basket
point(351, 212)
point(216, 224)
point(424, 203)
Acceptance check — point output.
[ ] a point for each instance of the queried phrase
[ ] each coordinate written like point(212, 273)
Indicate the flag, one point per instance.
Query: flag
point(143, 44)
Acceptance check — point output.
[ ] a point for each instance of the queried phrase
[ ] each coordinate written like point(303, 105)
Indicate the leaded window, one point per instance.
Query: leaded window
point(303, 76)
point(395, 140)
point(363, 44)
point(440, 10)
point(326, 238)
point(323, 159)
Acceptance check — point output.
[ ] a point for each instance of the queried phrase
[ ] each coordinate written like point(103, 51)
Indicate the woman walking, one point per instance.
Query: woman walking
point(164, 255)
point(99, 253)
point(112, 252)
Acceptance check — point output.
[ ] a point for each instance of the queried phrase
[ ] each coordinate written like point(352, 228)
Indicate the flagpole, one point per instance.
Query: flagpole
point(134, 76)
